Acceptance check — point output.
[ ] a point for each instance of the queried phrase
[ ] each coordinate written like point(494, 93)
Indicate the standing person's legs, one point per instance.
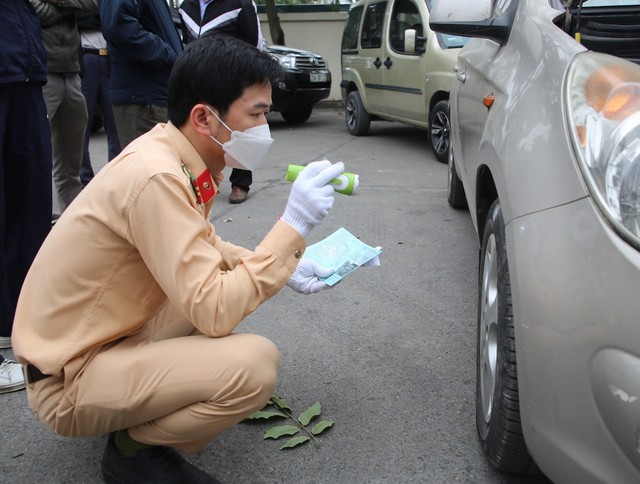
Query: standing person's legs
point(68, 120)
point(133, 120)
point(25, 183)
point(240, 182)
point(113, 142)
point(90, 90)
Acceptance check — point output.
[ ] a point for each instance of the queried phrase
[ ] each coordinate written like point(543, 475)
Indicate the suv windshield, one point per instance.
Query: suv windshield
point(447, 41)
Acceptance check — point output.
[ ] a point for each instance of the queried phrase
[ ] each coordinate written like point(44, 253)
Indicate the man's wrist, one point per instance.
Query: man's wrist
point(296, 221)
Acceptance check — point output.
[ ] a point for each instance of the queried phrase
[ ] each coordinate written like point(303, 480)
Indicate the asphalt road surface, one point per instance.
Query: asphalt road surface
point(389, 352)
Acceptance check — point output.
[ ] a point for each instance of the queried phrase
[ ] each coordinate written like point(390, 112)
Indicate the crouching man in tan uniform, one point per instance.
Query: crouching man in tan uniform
point(125, 321)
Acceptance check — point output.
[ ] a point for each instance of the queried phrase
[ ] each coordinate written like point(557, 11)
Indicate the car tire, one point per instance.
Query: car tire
point(297, 116)
point(455, 189)
point(497, 403)
point(439, 128)
point(355, 115)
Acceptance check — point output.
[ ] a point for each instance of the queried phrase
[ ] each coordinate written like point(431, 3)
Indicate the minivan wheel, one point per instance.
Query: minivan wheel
point(439, 130)
point(355, 115)
point(298, 115)
point(497, 403)
point(455, 188)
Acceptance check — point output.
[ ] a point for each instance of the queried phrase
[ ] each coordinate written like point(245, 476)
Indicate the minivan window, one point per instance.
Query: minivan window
point(350, 36)
point(372, 26)
point(405, 15)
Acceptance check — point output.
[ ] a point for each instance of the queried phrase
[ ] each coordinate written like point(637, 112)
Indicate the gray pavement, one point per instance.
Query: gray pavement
point(389, 352)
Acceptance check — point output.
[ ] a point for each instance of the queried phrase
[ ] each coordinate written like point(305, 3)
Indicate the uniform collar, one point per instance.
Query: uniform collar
point(204, 183)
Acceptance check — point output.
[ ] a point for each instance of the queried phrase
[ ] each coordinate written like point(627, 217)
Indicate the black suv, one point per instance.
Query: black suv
point(307, 80)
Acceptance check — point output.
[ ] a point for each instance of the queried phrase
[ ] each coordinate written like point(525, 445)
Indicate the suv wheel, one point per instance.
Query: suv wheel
point(439, 130)
point(297, 116)
point(497, 403)
point(355, 115)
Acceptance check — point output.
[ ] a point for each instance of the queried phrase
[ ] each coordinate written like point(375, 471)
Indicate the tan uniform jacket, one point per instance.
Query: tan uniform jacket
point(134, 238)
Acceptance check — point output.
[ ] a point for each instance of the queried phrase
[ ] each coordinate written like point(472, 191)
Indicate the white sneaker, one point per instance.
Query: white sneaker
point(5, 342)
point(11, 376)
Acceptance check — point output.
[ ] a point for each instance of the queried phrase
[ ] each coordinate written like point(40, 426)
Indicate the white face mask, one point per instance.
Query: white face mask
point(245, 149)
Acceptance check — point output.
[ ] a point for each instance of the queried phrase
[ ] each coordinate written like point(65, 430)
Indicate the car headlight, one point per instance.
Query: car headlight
point(603, 106)
point(287, 61)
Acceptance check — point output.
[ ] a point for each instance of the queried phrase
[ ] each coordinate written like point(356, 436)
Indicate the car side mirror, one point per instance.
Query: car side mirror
point(456, 11)
point(413, 43)
point(472, 18)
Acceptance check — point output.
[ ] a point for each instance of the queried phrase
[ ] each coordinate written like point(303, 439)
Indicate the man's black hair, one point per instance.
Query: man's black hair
point(216, 70)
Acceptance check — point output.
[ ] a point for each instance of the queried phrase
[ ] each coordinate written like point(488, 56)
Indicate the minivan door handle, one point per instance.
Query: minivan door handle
point(388, 63)
point(377, 62)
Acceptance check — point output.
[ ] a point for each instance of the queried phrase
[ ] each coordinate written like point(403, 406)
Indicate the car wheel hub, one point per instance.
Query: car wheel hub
point(440, 133)
point(351, 114)
point(488, 335)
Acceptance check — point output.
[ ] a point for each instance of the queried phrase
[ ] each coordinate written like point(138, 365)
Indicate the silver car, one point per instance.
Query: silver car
point(545, 152)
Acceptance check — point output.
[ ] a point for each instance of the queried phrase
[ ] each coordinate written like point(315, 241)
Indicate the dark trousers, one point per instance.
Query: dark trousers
point(133, 120)
point(242, 178)
point(95, 87)
point(25, 188)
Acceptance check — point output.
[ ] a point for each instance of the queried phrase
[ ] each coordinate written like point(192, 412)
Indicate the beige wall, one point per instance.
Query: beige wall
point(319, 32)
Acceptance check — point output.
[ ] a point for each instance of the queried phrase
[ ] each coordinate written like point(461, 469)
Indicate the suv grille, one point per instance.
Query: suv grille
point(310, 63)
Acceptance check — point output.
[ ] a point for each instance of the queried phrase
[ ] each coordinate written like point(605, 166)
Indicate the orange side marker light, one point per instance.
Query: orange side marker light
point(488, 100)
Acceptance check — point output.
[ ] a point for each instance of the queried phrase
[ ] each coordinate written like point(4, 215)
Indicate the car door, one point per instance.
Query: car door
point(404, 71)
point(466, 105)
point(371, 50)
point(476, 87)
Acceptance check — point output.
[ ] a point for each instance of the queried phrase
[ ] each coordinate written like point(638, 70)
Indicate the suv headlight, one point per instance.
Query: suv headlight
point(603, 108)
point(288, 61)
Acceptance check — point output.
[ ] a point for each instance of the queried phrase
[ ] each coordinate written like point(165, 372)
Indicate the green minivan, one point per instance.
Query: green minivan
point(395, 68)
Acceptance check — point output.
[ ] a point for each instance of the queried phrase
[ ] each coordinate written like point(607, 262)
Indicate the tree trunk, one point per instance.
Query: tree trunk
point(277, 34)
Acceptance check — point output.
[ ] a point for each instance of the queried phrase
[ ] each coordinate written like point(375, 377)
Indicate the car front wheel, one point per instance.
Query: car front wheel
point(497, 403)
point(439, 130)
point(355, 115)
point(298, 115)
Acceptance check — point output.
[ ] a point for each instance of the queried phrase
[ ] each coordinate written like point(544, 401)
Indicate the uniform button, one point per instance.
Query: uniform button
point(298, 254)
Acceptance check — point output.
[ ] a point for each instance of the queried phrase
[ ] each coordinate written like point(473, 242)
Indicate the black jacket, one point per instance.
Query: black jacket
point(238, 18)
point(143, 44)
point(22, 54)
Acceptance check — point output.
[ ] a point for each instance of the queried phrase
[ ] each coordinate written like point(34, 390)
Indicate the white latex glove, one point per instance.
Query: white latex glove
point(311, 196)
point(305, 278)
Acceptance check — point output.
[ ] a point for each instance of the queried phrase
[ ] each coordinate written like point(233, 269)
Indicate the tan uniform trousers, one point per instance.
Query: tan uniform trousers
point(166, 385)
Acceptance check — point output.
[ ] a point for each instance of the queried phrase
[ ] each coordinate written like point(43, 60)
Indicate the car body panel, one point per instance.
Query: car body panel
point(571, 275)
point(518, 103)
point(364, 66)
point(573, 278)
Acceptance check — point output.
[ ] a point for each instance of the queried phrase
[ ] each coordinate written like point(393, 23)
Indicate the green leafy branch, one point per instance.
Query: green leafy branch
point(278, 408)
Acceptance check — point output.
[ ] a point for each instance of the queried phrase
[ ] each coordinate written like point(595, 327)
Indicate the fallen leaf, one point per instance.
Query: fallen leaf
point(280, 431)
point(300, 439)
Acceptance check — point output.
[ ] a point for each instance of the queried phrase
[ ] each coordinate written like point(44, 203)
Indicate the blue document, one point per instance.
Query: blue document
point(344, 253)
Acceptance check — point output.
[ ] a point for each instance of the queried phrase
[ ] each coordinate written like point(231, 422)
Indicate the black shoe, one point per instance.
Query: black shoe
point(156, 465)
point(238, 194)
